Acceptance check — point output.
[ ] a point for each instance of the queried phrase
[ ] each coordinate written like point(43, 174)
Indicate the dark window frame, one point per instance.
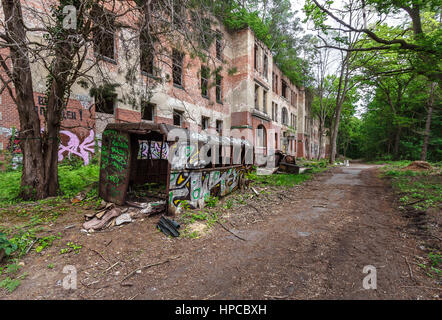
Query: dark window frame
point(103, 36)
point(264, 101)
point(266, 65)
point(219, 126)
point(204, 81)
point(219, 45)
point(219, 88)
point(177, 68)
point(205, 122)
point(148, 108)
point(178, 113)
point(285, 116)
point(147, 56)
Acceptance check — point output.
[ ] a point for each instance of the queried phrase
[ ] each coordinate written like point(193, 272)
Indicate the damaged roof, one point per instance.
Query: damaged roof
point(143, 128)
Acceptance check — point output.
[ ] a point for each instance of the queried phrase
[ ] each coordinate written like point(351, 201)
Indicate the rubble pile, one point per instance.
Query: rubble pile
point(108, 214)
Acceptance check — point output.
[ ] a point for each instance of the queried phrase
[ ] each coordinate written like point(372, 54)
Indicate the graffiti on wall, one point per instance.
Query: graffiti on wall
point(186, 156)
point(155, 150)
point(115, 159)
point(15, 149)
point(83, 150)
point(196, 186)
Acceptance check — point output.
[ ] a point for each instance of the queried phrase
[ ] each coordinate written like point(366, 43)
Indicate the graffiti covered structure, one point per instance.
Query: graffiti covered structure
point(195, 187)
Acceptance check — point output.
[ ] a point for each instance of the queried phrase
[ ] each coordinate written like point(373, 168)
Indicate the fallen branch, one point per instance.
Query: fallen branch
point(99, 255)
point(254, 208)
point(32, 244)
point(148, 266)
point(111, 266)
point(409, 268)
point(227, 229)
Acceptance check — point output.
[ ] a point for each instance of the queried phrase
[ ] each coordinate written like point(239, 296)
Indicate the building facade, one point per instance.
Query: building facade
point(248, 97)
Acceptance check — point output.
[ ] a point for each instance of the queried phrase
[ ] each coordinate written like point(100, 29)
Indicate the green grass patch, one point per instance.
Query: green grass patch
point(283, 179)
point(421, 189)
point(72, 180)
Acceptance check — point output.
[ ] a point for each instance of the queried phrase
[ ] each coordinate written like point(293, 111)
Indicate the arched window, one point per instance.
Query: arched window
point(285, 116)
point(262, 136)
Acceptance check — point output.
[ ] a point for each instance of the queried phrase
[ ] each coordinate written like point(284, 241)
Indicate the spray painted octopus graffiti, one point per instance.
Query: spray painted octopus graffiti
point(196, 186)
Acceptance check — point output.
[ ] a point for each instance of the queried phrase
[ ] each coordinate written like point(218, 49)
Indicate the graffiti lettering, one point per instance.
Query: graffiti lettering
point(74, 147)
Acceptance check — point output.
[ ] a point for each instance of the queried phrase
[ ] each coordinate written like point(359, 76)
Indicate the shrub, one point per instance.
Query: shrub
point(6, 245)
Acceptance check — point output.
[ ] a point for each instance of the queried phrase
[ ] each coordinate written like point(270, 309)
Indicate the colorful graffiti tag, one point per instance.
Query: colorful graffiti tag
point(155, 150)
point(115, 159)
point(196, 186)
point(186, 156)
point(74, 147)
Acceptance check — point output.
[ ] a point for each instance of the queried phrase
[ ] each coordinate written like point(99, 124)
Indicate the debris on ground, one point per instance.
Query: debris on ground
point(169, 227)
point(79, 197)
point(124, 218)
point(418, 166)
point(154, 208)
point(99, 223)
point(108, 215)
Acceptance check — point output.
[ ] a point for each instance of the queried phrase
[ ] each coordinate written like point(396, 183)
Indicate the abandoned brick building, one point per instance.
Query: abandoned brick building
point(250, 92)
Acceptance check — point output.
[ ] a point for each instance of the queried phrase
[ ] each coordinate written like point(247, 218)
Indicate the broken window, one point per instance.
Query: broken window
point(276, 140)
point(285, 116)
point(147, 110)
point(262, 136)
point(284, 89)
point(103, 32)
point(177, 67)
point(219, 45)
point(274, 111)
point(275, 84)
point(204, 123)
point(177, 118)
point(293, 98)
point(206, 36)
point(219, 93)
point(219, 127)
point(266, 66)
point(147, 53)
point(256, 57)
point(205, 74)
point(264, 101)
point(105, 105)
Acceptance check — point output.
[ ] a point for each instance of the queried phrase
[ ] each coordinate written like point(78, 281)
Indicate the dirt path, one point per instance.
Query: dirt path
point(313, 246)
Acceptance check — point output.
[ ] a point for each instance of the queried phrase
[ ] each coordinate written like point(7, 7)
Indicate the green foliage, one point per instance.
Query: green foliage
point(283, 179)
point(229, 204)
point(45, 242)
point(277, 28)
point(6, 245)
point(211, 201)
point(72, 180)
point(421, 189)
point(10, 284)
point(71, 247)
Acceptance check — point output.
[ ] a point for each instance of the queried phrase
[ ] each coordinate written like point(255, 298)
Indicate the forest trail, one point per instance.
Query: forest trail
point(314, 246)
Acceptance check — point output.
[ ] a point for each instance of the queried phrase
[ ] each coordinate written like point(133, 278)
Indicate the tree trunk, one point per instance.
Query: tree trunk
point(321, 139)
point(428, 123)
point(40, 149)
point(397, 140)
